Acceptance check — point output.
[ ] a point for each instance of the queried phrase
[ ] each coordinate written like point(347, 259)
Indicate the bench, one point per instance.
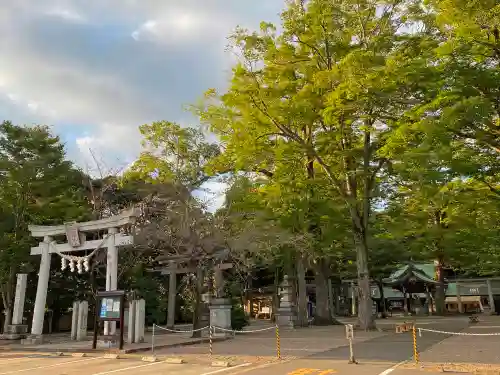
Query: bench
point(473, 319)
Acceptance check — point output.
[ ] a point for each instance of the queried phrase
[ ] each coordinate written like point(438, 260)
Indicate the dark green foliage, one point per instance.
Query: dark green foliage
point(239, 319)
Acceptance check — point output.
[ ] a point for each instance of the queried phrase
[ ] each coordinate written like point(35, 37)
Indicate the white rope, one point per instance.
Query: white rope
point(79, 260)
point(235, 331)
point(420, 330)
point(180, 331)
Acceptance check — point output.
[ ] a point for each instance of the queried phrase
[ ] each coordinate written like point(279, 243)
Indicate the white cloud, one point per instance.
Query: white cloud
point(66, 14)
point(73, 63)
point(177, 25)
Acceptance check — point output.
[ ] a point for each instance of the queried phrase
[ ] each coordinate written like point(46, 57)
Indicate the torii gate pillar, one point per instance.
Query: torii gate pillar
point(76, 243)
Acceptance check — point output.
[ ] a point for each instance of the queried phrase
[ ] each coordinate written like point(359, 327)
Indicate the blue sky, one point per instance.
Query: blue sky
point(95, 70)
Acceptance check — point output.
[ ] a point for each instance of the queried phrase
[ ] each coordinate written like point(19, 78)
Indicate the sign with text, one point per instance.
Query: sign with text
point(72, 234)
point(473, 289)
point(349, 331)
point(110, 308)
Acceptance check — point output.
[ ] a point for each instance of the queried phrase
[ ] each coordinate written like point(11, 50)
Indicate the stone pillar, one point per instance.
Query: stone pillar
point(219, 283)
point(172, 294)
point(459, 298)
point(131, 322)
point(220, 316)
point(41, 291)
point(491, 299)
point(17, 330)
point(74, 320)
point(111, 274)
point(83, 312)
point(17, 315)
point(140, 320)
point(287, 312)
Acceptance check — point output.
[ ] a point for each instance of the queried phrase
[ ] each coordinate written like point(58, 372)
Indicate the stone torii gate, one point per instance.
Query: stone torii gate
point(171, 269)
point(76, 242)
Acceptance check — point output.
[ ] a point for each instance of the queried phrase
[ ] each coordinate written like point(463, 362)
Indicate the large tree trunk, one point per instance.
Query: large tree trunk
point(198, 303)
point(331, 299)
point(440, 293)
point(323, 314)
point(302, 291)
point(8, 318)
point(366, 320)
point(8, 298)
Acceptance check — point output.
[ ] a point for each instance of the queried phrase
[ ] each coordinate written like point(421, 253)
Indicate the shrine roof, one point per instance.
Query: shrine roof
point(421, 272)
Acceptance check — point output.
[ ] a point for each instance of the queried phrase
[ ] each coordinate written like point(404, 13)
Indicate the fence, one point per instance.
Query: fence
point(456, 351)
point(213, 330)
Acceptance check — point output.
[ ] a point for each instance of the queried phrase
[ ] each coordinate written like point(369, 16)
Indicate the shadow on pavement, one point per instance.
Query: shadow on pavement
point(392, 347)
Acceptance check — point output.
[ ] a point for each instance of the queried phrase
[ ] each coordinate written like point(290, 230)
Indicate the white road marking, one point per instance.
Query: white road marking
point(226, 369)
point(389, 370)
point(54, 365)
point(128, 368)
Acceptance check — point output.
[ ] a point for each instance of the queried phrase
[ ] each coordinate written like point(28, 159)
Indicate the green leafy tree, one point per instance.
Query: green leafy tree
point(173, 153)
point(329, 89)
point(37, 186)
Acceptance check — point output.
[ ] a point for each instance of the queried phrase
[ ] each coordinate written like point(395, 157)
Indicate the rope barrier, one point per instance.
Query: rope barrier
point(420, 330)
point(177, 331)
point(180, 331)
point(235, 331)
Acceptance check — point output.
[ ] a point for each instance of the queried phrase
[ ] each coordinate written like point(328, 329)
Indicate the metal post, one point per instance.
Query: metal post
point(278, 343)
point(415, 349)
point(153, 341)
point(349, 333)
point(351, 353)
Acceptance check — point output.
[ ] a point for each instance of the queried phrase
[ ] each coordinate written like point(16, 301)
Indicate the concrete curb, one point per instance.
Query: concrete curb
point(149, 358)
point(220, 364)
point(111, 356)
point(26, 349)
point(175, 361)
point(474, 368)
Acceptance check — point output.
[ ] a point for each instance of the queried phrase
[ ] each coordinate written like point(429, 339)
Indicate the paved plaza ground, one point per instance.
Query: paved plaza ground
point(307, 351)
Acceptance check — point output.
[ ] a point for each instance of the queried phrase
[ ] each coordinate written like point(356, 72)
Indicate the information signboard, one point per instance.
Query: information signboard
point(110, 307)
